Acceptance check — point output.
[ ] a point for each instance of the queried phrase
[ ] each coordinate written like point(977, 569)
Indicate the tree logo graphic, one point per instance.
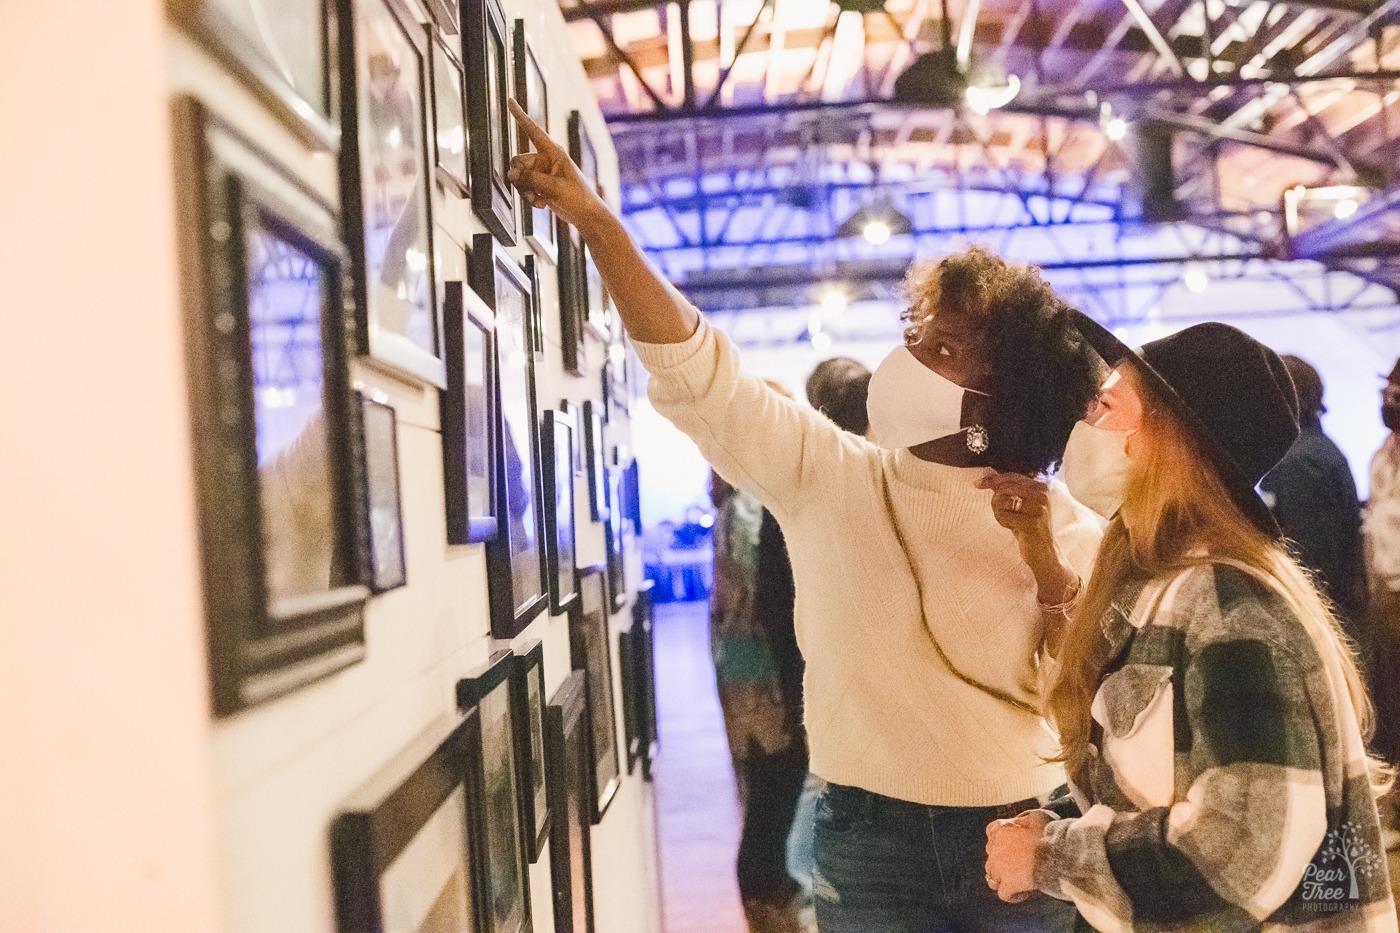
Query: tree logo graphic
point(1336, 871)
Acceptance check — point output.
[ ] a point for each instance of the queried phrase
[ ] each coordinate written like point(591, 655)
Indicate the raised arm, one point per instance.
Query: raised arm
point(651, 308)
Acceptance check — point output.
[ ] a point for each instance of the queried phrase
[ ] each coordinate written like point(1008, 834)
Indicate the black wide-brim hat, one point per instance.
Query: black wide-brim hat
point(1233, 392)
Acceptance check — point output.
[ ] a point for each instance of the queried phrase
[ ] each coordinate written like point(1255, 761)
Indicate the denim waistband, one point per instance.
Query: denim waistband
point(873, 804)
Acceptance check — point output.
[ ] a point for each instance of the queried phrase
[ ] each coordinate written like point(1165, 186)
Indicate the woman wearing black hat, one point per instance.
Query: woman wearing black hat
point(1211, 716)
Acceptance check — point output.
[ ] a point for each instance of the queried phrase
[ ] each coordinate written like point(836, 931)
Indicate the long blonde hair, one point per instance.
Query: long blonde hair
point(1178, 514)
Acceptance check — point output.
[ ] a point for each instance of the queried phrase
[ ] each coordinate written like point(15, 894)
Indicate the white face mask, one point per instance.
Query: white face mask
point(910, 404)
point(1096, 467)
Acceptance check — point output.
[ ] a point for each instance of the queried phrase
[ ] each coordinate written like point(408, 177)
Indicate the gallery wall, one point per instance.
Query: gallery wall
point(281, 770)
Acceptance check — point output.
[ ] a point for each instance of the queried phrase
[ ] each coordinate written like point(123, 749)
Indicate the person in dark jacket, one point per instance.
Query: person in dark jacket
point(1312, 495)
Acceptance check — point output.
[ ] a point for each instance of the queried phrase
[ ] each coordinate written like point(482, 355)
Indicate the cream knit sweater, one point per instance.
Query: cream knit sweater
point(883, 711)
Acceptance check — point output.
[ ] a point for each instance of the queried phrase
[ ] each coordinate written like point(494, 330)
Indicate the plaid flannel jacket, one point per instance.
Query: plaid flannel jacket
point(1228, 779)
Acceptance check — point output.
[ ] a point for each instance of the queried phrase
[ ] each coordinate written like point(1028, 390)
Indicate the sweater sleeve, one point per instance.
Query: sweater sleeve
point(754, 437)
point(1235, 847)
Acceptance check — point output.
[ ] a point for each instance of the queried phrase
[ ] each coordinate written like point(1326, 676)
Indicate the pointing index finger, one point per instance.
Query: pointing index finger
point(539, 137)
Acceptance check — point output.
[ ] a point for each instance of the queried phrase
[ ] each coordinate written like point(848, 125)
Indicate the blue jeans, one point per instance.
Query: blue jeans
point(890, 866)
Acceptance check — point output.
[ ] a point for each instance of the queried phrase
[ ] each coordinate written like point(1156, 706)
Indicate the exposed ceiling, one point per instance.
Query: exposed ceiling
point(747, 131)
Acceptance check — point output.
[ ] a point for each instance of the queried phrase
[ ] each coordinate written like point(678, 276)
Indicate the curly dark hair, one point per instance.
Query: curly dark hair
point(1043, 373)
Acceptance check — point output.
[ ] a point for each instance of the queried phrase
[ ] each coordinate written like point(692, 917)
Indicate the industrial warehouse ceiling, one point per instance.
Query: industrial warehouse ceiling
point(1117, 140)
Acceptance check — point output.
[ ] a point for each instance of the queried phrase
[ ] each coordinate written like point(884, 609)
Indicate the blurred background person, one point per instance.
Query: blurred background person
point(1312, 495)
point(758, 674)
point(838, 388)
point(1382, 550)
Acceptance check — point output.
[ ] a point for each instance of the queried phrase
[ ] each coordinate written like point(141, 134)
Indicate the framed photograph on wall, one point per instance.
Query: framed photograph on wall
point(277, 431)
point(572, 301)
point(559, 529)
point(449, 117)
point(570, 789)
point(632, 496)
point(515, 558)
point(593, 297)
point(505, 866)
point(617, 551)
point(384, 183)
point(486, 52)
point(644, 641)
point(279, 51)
point(403, 848)
point(527, 692)
point(470, 417)
point(536, 308)
point(383, 507)
point(631, 725)
point(594, 463)
point(590, 647)
point(532, 93)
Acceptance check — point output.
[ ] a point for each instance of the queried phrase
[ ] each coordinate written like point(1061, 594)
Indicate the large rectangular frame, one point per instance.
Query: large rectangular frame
point(383, 818)
point(570, 786)
point(254, 654)
point(532, 93)
point(467, 316)
point(491, 683)
point(590, 648)
point(377, 340)
point(558, 435)
point(528, 694)
point(441, 56)
point(486, 51)
point(509, 614)
point(316, 124)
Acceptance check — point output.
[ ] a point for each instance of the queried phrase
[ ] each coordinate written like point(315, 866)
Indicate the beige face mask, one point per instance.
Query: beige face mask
point(1096, 467)
point(910, 404)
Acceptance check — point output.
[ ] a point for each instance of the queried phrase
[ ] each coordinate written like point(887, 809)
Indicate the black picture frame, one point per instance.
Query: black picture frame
point(385, 189)
point(505, 891)
point(567, 728)
point(515, 558)
point(644, 674)
point(528, 694)
point(590, 650)
point(470, 411)
point(282, 609)
point(560, 529)
point(451, 144)
point(486, 53)
point(632, 496)
point(628, 665)
point(383, 504)
point(586, 281)
point(572, 300)
point(532, 93)
point(293, 79)
point(616, 541)
point(593, 461)
point(532, 268)
point(445, 13)
point(408, 841)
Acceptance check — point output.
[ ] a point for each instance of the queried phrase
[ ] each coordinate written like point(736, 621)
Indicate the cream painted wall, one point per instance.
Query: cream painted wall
point(123, 806)
point(106, 801)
